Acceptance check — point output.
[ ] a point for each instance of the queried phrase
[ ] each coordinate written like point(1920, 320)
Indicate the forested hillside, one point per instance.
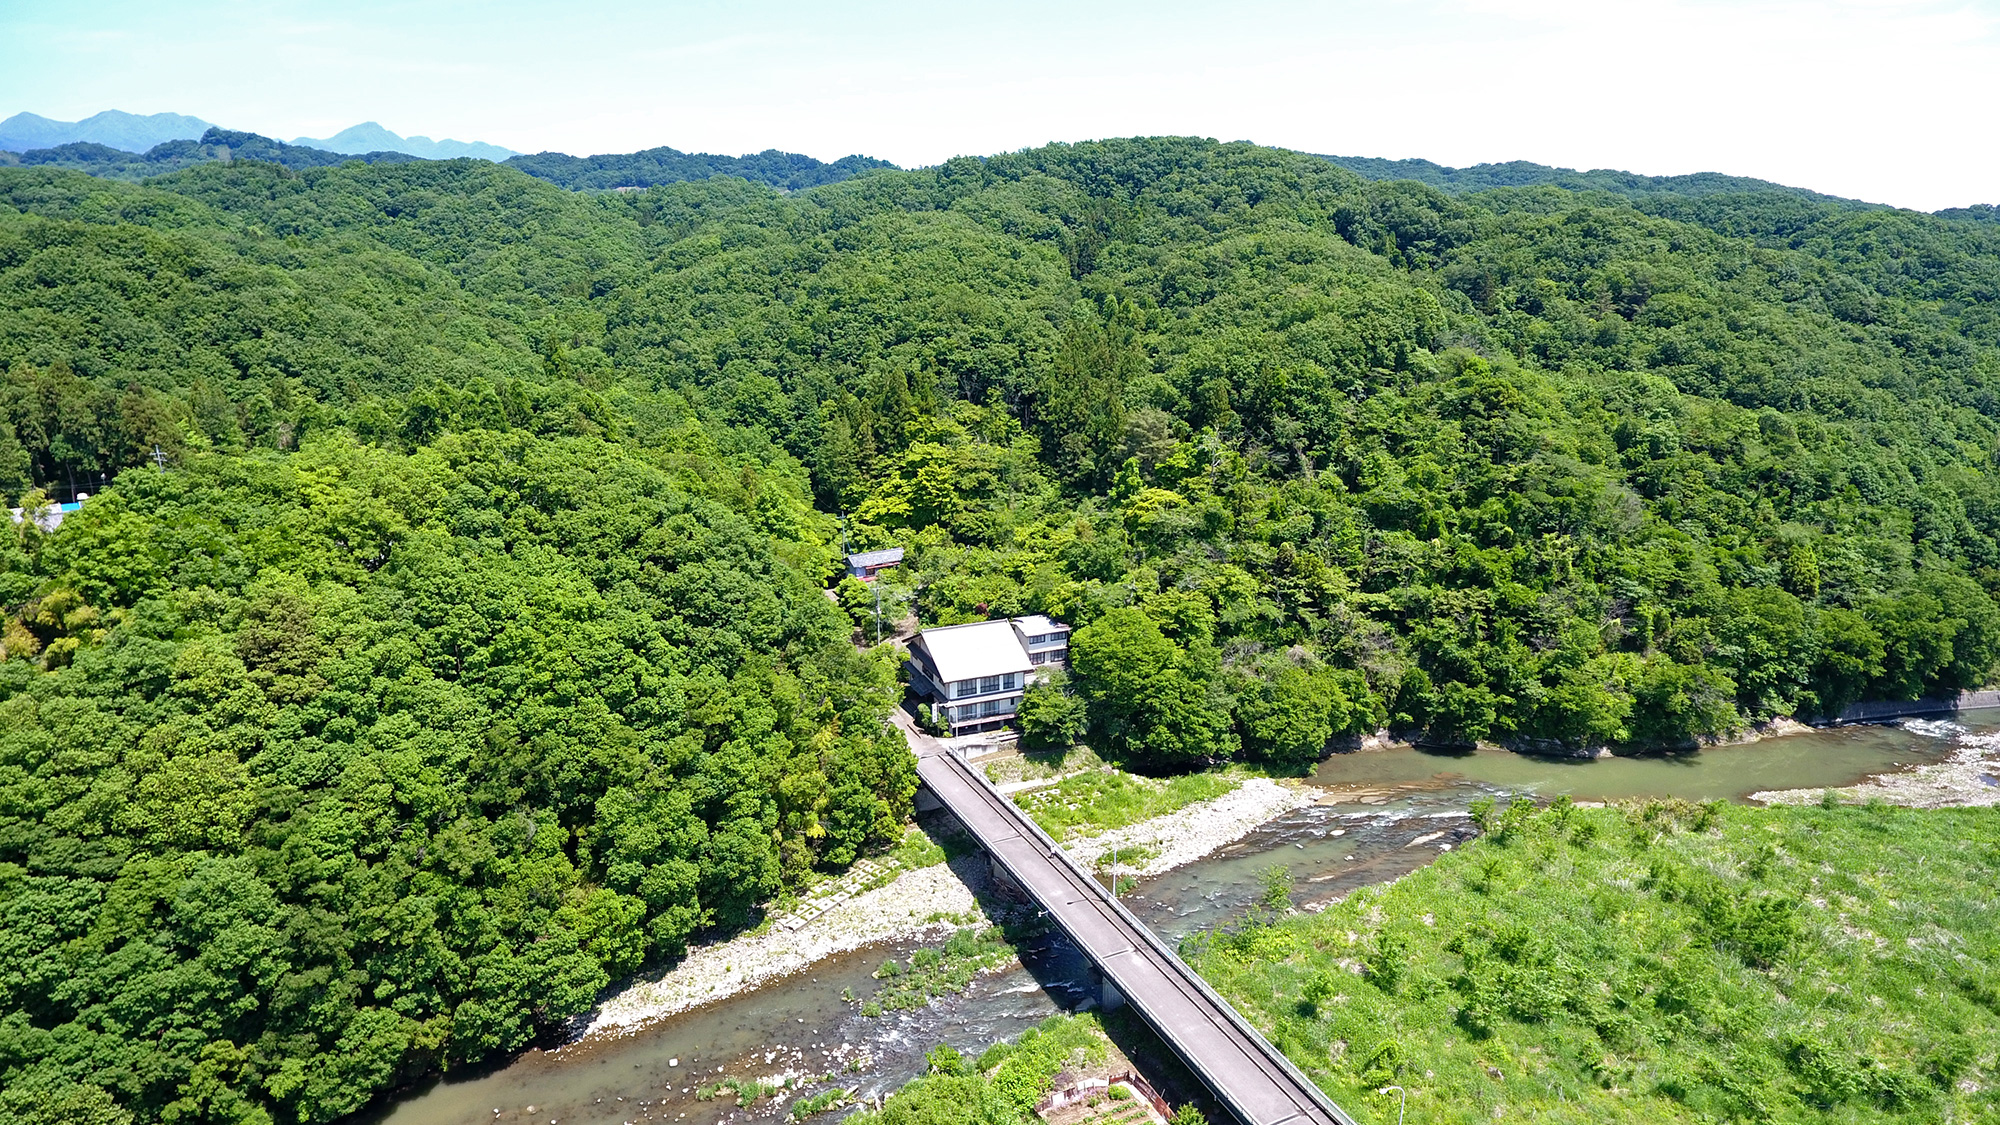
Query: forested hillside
point(654, 166)
point(788, 170)
point(466, 650)
point(1523, 173)
point(222, 145)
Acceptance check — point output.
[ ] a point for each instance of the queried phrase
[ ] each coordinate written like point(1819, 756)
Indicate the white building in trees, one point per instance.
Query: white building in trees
point(973, 676)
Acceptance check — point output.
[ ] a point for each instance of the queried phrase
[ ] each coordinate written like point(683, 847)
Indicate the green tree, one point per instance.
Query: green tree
point(1052, 718)
point(1290, 715)
point(1148, 697)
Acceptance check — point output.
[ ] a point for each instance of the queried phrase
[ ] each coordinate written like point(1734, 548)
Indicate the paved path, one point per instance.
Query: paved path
point(1244, 1072)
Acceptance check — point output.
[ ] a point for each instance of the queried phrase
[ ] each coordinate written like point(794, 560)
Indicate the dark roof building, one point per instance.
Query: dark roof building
point(868, 564)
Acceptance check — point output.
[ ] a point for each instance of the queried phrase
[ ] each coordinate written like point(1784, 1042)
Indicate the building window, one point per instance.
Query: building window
point(989, 684)
point(964, 688)
point(1038, 658)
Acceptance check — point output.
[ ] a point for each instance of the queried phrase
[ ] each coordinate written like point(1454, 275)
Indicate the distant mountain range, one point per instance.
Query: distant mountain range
point(134, 133)
point(1521, 173)
point(172, 156)
point(789, 171)
point(114, 128)
point(370, 137)
point(131, 146)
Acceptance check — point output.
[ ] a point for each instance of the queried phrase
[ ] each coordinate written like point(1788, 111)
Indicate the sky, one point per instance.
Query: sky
point(1886, 100)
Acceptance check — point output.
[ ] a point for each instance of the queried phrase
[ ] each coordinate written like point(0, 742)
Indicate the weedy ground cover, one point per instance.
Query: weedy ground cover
point(820, 1103)
point(1037, 765)
point(744, 1090)
point(1093, 802)
point(1002, 1086)
point(930, 973)
point(1656, 962)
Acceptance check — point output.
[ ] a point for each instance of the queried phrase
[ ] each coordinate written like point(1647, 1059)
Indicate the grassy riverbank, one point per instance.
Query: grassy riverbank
point(1664, 962)
point(1002, 1086)
point(1088, 803)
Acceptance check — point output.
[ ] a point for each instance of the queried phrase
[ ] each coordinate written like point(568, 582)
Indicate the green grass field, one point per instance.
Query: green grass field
point(1656, 963)
point(1094, 802)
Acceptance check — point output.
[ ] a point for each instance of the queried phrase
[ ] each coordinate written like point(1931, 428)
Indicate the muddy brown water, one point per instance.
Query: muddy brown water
point(1390, 812)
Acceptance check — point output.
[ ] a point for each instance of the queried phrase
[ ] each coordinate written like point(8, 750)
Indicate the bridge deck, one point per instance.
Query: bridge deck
point(1246, 1073)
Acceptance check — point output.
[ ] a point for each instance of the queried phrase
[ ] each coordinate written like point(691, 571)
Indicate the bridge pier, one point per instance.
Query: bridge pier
point(1005, 883)
point(1108, 997)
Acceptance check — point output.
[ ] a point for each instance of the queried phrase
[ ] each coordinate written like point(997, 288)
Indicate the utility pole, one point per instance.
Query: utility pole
point(158, 458)
point(876, 586)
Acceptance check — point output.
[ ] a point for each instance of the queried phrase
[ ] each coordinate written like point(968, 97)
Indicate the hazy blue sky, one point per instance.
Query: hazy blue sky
point(1885, 100)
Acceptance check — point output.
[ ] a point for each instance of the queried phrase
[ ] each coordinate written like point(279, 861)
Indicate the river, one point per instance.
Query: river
point(1386, 813)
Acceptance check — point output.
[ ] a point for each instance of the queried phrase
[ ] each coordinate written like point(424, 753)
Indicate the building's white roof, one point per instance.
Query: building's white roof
point(983, 648)
point(1036, 625)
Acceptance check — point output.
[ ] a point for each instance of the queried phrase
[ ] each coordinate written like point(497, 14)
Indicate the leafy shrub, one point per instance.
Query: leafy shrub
point(1040, 1053)
point(942, 1059)
point(1052, 717)
point(819, 1103)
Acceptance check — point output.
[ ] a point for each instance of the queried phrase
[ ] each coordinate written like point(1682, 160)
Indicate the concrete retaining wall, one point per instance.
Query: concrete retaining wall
point(1911, 708)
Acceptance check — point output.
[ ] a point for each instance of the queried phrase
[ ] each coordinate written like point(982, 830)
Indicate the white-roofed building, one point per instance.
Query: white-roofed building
point(1046, 639)
point(974, 675)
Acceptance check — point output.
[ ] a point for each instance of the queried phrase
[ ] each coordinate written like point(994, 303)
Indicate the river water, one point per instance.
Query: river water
point(1386, 812)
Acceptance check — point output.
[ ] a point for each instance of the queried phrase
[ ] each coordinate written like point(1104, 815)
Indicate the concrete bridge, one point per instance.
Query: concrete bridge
point(1252, 1078)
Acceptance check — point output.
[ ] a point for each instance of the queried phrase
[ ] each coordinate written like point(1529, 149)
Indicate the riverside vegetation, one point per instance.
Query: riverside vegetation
point(1656, 962)
point(444, 639)
point(1092, 802)
point(1001, 1087)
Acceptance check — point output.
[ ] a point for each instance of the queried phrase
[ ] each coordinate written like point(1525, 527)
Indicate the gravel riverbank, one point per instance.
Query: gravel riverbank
point(1182, 837)
point(929, 902)
point(1969, 778)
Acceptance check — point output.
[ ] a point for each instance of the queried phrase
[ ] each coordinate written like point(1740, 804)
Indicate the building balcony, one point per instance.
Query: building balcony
point(1014, 692)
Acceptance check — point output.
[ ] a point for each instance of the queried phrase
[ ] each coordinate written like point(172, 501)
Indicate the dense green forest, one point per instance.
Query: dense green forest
point(655, 166)
point(1522, 173)
point(464, 649)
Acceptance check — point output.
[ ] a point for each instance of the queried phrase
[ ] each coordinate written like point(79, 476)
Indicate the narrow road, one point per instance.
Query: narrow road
point(1258, 1084)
